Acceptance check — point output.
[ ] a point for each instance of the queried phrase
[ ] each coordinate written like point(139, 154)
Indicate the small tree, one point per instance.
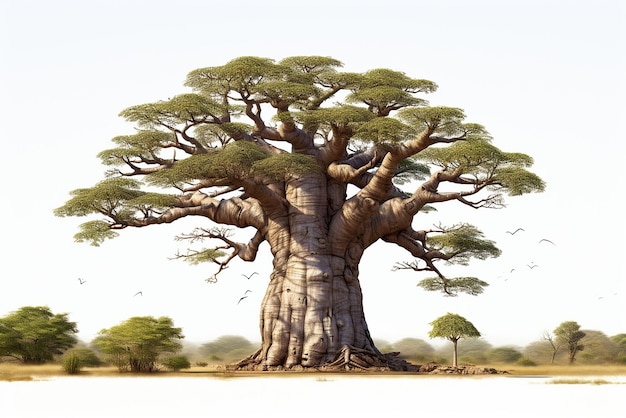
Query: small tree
point(569, 333)
point(137, 343)
point(453, 327)
point(554, 344)
point(33, 334)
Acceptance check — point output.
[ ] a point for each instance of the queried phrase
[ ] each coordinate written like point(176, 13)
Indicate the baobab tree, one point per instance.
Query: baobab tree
point(312, 160)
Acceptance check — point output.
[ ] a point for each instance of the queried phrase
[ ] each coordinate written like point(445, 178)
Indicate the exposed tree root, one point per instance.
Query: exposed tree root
point(348, 359)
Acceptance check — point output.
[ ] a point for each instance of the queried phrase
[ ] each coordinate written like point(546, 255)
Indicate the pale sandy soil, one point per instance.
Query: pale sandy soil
point(20, 372)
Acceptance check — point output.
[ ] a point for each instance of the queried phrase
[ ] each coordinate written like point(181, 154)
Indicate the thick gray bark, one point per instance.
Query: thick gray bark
point(313, 306)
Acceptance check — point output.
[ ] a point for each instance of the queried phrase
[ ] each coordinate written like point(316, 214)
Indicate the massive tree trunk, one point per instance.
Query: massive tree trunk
point(312, 313)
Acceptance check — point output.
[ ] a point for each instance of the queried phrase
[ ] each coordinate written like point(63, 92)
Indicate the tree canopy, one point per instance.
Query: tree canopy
point(569, 334)
point(33, 334)
point(314, 162)
point(137, 343)
point(453, 327)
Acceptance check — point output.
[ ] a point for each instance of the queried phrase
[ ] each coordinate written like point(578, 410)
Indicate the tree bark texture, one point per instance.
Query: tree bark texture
point(313, 304)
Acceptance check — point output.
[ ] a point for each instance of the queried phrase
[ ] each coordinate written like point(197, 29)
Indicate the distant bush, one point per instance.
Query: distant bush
point(525, 361)
point(176, 363)
point(503, 355)
point(71, 363)
point(88, 358)
point(227, 348)
point(201, 363)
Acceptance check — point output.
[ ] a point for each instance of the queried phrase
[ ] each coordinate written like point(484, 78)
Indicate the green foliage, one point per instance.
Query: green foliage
point(87, 357)
point(569, 333)
point(71, 363)
point(599, 348)
point(458, 245)
point(95, 233)
point(452, 286)
point(179, 109)
point(104, 198)
point(340, 116)
point(33, 334)
point(142, 146)
point(177, 363)
point(384, 131)
point(204, 255)
point(525, 361)
point(410, 170)
point(452, 327)
point(480, 159)
point(463, 242)
point(137, 343)
point(503, 355)
point(279, 167)
point(444, 120)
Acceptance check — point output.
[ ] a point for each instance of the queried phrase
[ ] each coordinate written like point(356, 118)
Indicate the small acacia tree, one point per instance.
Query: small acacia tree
point(33, 334)
point(311, 161)
point(453, 327)
point(569, 334)
point(137, 343)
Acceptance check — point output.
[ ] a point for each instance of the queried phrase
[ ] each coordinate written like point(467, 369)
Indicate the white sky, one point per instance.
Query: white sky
point(545, 77)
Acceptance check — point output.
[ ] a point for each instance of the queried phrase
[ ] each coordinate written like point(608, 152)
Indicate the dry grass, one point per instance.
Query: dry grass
point(20, 372)
point(564, 370)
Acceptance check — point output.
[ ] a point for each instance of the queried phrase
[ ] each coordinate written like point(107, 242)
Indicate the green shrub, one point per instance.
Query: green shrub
point(525, 361)
point(88, 358)
point(71, 363)
point(201, 363)
point(176, 363)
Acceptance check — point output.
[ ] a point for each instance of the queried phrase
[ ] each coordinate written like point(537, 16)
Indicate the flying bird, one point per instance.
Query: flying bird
point(546, 240)
point(81, 281)
point(248, 277)
point(532, 266)
point(245, 295)
point(515, 232)
point(140, 293)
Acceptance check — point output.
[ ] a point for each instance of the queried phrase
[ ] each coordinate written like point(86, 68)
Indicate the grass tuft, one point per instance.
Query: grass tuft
point(580, 382)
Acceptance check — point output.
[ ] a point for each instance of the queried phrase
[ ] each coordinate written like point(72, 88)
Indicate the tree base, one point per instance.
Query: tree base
point(348, 359)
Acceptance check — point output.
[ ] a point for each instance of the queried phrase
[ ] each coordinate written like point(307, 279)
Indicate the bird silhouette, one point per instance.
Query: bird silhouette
point(241, 298)
point(248, 277)
point(81, 281)
point(140, 293)
point(515, 232)
point(546, 240)
point(532, 266)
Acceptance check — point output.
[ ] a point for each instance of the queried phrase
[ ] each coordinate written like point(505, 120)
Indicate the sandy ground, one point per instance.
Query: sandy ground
point(20, 372)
